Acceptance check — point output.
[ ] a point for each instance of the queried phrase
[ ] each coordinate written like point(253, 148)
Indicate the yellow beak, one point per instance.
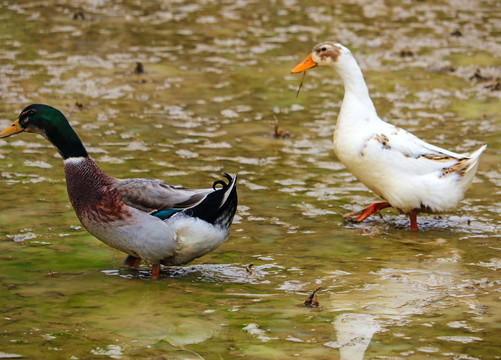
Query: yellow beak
point(11, 130)
point(308, 63)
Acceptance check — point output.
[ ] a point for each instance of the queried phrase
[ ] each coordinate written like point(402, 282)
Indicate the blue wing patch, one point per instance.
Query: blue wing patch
point(165, 214)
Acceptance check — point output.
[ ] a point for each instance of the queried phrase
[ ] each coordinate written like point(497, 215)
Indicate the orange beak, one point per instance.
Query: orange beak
point(11, 130)
point(308, 63)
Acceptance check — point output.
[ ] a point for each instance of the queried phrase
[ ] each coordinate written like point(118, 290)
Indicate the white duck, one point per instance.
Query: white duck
point(408, 173)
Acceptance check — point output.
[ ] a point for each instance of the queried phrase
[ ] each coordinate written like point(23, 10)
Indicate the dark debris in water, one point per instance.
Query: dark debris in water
point(443, 69)
point(312, 299)
point(79, 15)
point(489, 116)
point(406, 53)
point(279, 133)
point(494, 87)
point(457, 33)
point(139, 69)
point(249, 269)
point(479, 77)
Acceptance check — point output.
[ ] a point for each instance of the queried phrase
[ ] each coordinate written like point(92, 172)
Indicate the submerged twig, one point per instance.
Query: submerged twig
point(300, 85)
point(249, 268)
point(311, 300)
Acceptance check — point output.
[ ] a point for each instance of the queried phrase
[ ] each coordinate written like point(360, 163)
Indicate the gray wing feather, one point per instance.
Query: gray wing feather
point(151, 195)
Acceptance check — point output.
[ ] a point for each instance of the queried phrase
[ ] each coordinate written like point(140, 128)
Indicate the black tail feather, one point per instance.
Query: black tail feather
point(218, 207)
point(221, 182)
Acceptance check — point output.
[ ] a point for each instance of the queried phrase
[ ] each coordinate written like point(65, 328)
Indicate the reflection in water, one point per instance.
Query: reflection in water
point(393, 297)
point(354, 333)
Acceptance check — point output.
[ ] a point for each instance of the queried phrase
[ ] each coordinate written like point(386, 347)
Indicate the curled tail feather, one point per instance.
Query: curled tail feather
point(218, 207)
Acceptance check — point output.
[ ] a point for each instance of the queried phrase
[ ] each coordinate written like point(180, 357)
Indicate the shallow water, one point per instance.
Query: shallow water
point(216, 77)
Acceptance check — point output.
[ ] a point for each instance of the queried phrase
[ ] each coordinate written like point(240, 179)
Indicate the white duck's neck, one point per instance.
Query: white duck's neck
point(356, 93)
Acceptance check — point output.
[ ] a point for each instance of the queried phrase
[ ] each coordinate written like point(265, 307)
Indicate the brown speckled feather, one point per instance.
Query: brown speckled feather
point(92, 192)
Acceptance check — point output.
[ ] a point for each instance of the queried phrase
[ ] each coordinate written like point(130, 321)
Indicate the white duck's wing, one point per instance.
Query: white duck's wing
point(153, 195)
point(406, 152)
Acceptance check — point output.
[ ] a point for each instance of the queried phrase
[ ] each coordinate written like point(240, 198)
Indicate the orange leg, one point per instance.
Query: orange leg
point(413, 219)
point(155, 271)
point(369, 210)
point(132, 261)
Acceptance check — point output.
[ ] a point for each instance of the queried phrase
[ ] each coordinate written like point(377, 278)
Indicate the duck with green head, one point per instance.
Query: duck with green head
point(147, 219)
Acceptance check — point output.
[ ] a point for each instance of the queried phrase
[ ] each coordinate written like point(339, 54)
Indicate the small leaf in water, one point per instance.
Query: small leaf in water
point(311, 300)
point(279, 133)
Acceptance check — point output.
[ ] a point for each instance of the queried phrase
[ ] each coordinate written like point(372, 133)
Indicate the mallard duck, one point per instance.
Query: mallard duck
point(408, 173)
point(146, 219)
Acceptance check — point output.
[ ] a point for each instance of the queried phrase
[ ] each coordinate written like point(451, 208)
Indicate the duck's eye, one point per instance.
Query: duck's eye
point(31, 112)
point(324, 49)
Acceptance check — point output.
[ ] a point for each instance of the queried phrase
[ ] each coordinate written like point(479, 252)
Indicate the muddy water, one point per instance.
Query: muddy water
point(216, 76)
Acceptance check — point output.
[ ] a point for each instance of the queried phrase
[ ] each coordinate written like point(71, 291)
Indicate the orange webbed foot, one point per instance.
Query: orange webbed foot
point(366, 212)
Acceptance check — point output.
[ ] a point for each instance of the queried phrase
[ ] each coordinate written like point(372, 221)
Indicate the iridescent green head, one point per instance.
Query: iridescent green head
point(50, 123)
